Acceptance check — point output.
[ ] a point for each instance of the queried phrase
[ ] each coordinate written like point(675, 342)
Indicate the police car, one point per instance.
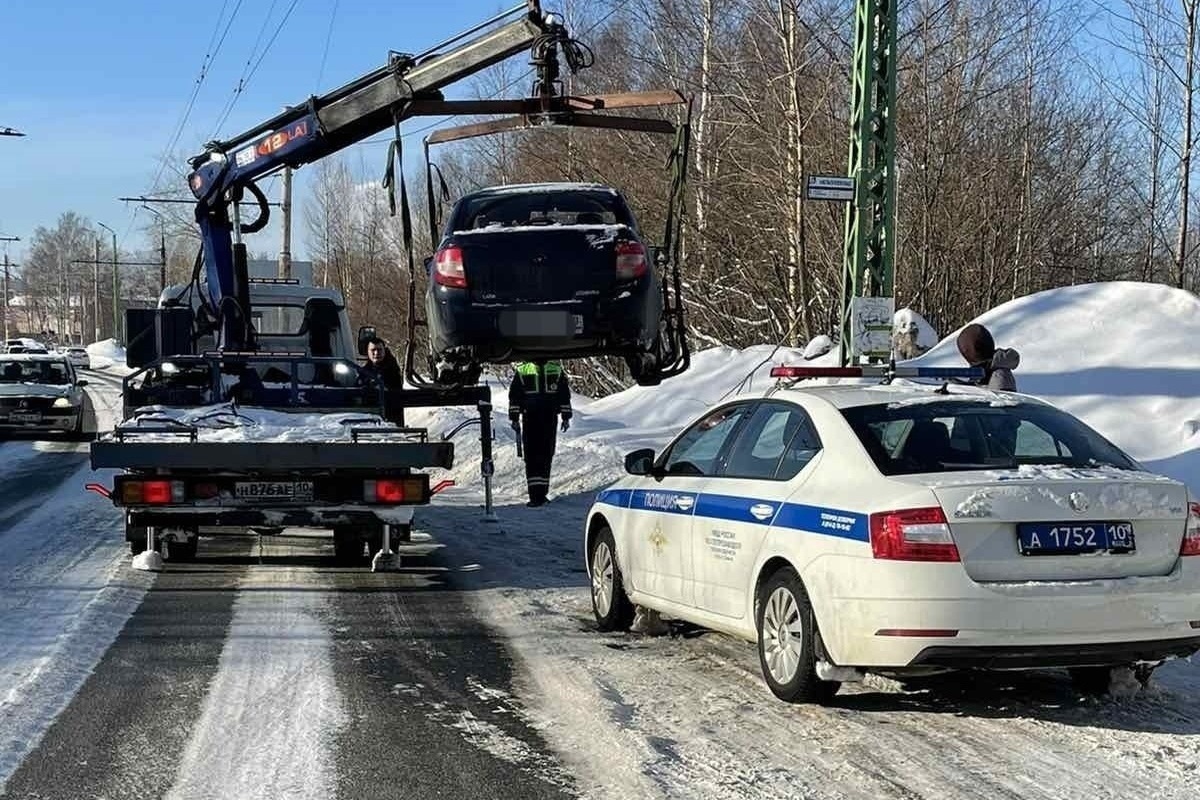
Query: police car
point(902, 528)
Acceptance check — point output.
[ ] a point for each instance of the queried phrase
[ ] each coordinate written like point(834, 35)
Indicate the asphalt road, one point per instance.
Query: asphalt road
point(250, 667)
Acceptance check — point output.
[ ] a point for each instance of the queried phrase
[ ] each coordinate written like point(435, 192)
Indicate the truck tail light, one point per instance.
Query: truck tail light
point(631, 260)
point(1191, 534)
point(914, 534)
point(393, 491)
point(151, 493)
point(448, 267)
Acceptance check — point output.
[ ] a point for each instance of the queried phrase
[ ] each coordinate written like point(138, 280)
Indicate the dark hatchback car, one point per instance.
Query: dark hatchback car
point(552, 270)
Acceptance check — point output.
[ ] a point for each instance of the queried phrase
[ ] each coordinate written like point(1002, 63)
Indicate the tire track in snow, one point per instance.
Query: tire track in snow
point(273, 709)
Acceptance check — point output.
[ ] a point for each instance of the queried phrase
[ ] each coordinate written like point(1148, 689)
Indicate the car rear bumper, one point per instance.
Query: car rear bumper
point(892, 614)
point(625, 323)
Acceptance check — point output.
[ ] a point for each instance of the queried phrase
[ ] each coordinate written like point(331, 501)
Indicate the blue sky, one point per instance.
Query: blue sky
point(99, 86)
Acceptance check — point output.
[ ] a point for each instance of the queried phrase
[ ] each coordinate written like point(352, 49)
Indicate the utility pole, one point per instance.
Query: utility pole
point(96, 290)
point(162, 247)
point(116, 284)
point(7, 239)
point(285, 255)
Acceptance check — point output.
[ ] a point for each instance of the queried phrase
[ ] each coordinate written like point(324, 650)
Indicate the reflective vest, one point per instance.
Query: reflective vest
point(531, 380)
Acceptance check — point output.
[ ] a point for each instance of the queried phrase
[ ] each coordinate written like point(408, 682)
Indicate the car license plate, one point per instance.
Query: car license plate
point(1075, 538)
point(24, 417)
point(274, 490)
point(522, 323)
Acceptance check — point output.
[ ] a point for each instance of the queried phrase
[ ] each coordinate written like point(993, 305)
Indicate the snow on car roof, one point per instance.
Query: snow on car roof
point(60, 357)
point(517, 188)
point(903, 392)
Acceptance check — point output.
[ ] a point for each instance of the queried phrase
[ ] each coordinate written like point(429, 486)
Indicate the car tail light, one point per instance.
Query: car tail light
point(631, 260)
point(914, 534)
point(448, 267)
point(394, 490)
point(1191, 534)
point(151, 493)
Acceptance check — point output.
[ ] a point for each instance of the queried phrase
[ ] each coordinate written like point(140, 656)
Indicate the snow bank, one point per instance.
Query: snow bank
point(1121, 356)
point(105, 354)
point(229, 423)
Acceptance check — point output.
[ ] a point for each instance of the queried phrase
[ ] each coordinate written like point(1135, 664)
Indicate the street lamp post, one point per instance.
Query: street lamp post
point(116, 285)
point(6, 240)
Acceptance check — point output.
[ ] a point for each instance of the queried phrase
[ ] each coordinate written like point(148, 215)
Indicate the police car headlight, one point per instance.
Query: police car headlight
point(341, 369)
point(63, 402)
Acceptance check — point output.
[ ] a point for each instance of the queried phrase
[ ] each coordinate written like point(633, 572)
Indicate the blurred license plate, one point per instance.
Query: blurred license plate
point(537, 323)
point(19, 417)
point(1074, 538)
point(274, 490)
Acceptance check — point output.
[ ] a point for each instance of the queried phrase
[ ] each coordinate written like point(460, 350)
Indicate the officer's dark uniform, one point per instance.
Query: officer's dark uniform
point(539, 395)
point(389, 374)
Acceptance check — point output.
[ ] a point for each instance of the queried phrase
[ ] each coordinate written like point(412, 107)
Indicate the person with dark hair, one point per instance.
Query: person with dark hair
point(977, 347)
point(383, 366)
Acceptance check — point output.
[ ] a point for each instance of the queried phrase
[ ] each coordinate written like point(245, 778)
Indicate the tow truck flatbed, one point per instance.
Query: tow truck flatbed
point(249, 457)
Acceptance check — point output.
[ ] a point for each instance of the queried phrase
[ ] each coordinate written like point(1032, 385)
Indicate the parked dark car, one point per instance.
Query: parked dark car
point(40, 393)
point(552, 270)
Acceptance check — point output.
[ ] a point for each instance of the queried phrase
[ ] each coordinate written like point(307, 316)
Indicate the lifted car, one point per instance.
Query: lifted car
point(555, 270)
point(40, 393)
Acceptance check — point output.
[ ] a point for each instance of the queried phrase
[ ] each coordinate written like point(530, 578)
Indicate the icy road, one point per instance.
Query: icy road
point(476, 672)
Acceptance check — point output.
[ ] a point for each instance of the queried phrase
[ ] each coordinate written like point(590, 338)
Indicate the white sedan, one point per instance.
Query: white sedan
point(78, 357)
point(902, 529)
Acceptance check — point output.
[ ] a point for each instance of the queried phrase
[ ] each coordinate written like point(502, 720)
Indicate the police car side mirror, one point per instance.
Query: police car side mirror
point(640, 462)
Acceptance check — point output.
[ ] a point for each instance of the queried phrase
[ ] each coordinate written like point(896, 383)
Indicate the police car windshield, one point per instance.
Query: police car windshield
point(950, 436)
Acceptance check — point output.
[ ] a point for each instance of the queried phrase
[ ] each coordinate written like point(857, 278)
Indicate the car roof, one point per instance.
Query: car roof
point(564, 186)
point(33, 357)
point(850, 395)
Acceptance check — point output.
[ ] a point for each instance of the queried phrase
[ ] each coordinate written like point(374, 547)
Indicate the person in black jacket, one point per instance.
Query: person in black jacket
point(384, 367)
point(538, 396)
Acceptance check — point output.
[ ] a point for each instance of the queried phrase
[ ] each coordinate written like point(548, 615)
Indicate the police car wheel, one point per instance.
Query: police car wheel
point(610, 604)
point(787, 641)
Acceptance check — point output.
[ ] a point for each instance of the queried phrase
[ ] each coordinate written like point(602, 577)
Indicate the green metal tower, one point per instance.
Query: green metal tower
point(868, 257)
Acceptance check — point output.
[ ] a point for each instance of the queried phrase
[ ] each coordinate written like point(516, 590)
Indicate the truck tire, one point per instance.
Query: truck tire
point(136, 536)
point(645, 369)
point(348, 545)
point(183, 551)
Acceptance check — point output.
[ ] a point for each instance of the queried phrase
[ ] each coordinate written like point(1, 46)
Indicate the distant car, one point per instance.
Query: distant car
point(79, 358)
point(24, 345)
point(551, 270)
point(901, 530)
point(40, 393)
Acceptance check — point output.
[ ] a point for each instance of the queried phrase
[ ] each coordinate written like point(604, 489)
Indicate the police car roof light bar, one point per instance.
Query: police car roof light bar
point(886, 372)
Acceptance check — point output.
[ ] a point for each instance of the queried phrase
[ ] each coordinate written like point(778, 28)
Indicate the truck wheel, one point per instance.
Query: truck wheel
point(183, 551)
point(347, 546)
point(136, 536)
point(644, 369)
point(787, 639)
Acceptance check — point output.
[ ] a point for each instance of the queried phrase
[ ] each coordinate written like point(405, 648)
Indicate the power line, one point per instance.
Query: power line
point(245, 80)
point(328, 39)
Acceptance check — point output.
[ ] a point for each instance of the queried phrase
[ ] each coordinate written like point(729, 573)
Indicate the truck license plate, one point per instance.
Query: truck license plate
point(274, 490)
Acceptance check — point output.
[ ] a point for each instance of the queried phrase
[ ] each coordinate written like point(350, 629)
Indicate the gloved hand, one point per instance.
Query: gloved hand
point(566, 424)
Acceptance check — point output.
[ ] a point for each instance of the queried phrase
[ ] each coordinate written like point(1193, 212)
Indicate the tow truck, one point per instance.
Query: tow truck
point(203, 361)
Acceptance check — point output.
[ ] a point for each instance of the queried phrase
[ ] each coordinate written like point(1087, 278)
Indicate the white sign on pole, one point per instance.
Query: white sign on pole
point(829, 187)
point(871, 328)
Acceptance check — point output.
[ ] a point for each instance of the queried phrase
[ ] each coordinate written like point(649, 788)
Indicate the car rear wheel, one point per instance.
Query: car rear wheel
point(136, 537)
point(644, 368)
point(610, 604)
point(787, 637)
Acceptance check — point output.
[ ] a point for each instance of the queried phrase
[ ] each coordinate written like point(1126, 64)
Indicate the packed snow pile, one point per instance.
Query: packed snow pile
point(1121, 356)
point(912, 334)
point(232, 423)
point(105, 354)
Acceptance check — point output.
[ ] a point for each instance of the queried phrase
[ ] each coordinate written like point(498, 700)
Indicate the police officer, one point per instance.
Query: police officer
point(539, 394)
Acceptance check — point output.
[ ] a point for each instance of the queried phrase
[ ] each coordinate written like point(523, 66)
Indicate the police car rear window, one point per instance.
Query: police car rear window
point(951, 436)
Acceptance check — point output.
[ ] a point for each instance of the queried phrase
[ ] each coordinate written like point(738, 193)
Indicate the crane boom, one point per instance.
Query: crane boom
point(322, 126)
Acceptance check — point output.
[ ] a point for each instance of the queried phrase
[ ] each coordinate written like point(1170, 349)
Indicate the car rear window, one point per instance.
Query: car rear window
point(540, 208)
point(912, 438)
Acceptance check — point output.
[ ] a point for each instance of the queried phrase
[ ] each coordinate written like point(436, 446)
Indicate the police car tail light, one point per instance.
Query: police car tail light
point(914, 534)
point(631, 260)
point(1191, 534)
point(448, 267)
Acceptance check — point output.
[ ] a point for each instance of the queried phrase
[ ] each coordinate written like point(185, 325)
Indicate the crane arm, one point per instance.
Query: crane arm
point(326, 124)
